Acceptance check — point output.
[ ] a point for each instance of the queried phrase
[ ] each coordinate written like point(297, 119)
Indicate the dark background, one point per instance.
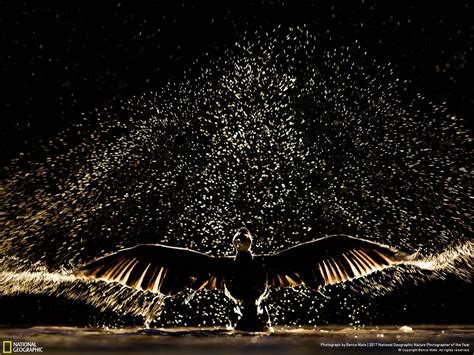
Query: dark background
point(58, 60)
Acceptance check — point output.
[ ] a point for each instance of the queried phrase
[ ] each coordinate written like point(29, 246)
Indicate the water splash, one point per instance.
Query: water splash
point(456, 259)
point(104, 297)
point(293, 140)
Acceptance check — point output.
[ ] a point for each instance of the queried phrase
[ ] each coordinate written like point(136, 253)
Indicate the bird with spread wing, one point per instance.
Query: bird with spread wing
point(245, 278)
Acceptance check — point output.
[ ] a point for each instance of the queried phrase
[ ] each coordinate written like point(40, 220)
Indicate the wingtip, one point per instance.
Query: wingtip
point(408, 257)
point(86, 270)
point(81, 273)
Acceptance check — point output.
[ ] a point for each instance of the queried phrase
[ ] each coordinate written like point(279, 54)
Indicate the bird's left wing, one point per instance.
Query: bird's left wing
point(158, 269)
point(328, 261)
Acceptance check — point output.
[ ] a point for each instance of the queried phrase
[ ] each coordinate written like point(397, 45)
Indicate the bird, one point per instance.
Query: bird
point(245, 278)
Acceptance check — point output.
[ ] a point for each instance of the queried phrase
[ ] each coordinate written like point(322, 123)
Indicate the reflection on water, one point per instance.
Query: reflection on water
point(283, 340)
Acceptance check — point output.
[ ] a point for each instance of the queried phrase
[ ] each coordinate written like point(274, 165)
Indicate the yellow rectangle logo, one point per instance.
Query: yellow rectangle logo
point(7, 347)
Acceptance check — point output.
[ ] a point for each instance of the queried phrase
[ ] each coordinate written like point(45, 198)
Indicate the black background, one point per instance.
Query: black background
point(58, 60)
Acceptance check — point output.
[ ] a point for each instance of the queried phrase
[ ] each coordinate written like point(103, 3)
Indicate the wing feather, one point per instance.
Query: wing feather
point(328, 261)
point(158, 268)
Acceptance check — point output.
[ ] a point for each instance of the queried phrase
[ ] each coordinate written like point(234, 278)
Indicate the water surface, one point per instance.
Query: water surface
point(284, 340)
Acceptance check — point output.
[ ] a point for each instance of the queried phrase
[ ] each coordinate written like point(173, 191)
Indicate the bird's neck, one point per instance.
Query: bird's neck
point(244, 255)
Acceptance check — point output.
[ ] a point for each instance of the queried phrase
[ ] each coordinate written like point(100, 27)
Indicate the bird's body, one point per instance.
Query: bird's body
point(246, 284)
point(245, 278)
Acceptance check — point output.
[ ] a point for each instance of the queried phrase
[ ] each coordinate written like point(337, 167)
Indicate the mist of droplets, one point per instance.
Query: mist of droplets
point(278, 134)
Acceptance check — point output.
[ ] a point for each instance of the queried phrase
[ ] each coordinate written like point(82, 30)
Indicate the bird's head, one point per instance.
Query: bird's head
point(242, 239)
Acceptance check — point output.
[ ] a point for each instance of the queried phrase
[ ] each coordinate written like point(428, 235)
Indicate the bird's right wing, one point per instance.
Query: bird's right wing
point(158, 269)
point(328, 261)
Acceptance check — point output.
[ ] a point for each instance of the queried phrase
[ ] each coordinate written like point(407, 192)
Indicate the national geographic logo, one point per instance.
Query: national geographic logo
point(11, 347)
point(7, 347)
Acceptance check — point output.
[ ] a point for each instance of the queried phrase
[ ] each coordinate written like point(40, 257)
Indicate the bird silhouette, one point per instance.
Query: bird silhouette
point(245, 278)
